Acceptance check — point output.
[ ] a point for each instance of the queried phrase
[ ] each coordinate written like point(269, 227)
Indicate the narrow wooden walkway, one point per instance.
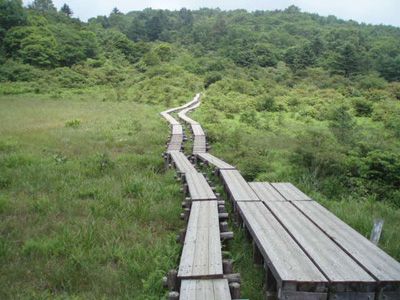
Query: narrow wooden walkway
point(307, 252)
point(200, 272)
point(201, 256)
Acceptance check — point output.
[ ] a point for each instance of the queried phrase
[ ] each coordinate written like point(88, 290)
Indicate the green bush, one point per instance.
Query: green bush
point(73, 123)
point(15, 71)
point(362, 107)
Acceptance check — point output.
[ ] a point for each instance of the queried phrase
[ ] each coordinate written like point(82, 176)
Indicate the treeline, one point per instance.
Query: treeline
point(263, 38)
point(44, 37)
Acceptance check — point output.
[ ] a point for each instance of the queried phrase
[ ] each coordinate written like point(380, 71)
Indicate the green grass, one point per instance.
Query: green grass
point(86, 210)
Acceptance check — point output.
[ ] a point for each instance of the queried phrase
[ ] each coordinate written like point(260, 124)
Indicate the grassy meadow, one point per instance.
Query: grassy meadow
point(86, 209)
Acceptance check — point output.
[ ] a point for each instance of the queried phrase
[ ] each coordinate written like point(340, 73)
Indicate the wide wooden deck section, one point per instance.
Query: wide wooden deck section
point(373, 259)
point(201, 255)
point(210, 159)
point(198, 187)
point(213, 289)
point(290, 192)
point(237, 187)
point(287, 261)
point(266, 192)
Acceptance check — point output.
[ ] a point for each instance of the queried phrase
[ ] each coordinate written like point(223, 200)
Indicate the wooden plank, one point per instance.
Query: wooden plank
point(215, 161)
point(181, 162)
point(201, 255)
point(381, 265)
point(170, 119)
point(266, 192)
point(174, 148)
point(176, 138)
point(177, 129)
point(237, 187)
point(197, 129)
point(287, 261)
point(337, 266)
point(199, 189)
point(290, 192)
point(213, 289)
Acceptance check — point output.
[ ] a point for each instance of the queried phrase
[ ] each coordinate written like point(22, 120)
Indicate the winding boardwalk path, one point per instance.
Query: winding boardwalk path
point(307, 252)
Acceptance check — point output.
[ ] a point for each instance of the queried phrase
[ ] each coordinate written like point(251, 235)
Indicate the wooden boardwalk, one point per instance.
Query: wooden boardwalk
point(307, 252)
point(200, 271)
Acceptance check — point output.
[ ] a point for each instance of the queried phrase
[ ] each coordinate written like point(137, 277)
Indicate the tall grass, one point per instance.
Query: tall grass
point(86, 211)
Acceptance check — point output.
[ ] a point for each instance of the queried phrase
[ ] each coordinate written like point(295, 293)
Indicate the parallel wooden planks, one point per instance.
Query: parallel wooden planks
point(337, 266)
point(181, 162)
point(213, 289)
point(266, 192)
point(201, 255)
point(215, 161)
point(282, 254)
point(376, 261)
point(238, 188)
point(199, 189)
point(290, 192)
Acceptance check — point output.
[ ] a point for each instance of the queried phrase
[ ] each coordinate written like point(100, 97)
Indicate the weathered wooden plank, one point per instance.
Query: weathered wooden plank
point(199, 189)
point(266, 192)
point(213, 289)
point(197, 130)
point(176, 138)
point(287, 261)
point(290, 192)
point(381, 265)
point(181, 162)
point(177, 129)
point(201, 255)
point(337, 266)
point(237, 187)
point(215, 161)
point(173, 147)
point(170, 119)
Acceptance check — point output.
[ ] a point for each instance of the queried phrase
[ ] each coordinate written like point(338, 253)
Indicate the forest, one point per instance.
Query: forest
point(287, 96)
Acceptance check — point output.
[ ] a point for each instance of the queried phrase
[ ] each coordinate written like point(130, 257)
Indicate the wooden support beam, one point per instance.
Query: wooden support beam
point(225, 236)
point(234, 288)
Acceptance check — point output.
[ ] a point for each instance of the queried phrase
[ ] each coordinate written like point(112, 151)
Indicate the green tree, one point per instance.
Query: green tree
point(348, 61)
point(342, 125)
point(11, 14)
point(66, 10)
point(39, 50)
point(186, 18)
point(43, 6)
point(300, 57)
point(265, 56)
point(155, 25)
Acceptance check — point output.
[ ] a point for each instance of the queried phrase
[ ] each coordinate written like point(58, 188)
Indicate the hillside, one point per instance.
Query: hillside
point(288, 96)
